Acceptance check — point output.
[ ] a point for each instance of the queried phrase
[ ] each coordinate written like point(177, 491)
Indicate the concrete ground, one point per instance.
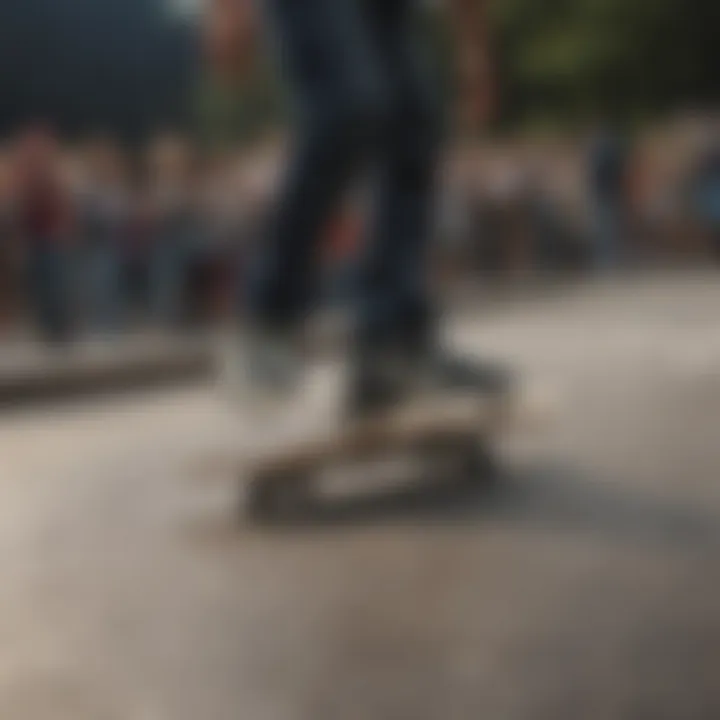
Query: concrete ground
point(32, 373)
point(586, 587)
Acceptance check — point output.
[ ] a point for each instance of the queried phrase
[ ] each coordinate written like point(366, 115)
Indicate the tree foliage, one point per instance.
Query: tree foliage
point(126, 65)
point(571, 59)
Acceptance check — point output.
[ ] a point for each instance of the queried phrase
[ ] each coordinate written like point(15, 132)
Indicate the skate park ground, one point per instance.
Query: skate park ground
point(586, 586)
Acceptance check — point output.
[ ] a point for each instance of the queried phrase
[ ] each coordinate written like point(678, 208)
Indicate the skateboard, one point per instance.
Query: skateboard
point(447, 435)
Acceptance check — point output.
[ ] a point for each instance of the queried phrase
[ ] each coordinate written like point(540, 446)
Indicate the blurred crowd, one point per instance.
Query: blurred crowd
point(97, 239)
point(597, 202)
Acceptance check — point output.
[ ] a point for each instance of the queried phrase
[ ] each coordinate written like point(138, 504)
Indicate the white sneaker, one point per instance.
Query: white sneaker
point(260, 370)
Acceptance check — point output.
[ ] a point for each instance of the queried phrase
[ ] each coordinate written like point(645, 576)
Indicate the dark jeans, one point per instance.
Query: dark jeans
point(103, 285)
point(169, 266)
point(362, 100)
point(51, 295)
point(608, 231)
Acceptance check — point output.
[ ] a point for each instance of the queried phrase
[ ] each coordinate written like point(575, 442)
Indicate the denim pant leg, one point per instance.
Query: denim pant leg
point(608, 234)
point(167, 280)
point(328, 60)
point(104, 282)
point(50, 286)
point(394, 295)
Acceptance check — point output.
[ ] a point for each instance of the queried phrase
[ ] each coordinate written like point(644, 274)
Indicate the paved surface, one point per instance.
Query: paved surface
point(31, 372)
point(587, 587)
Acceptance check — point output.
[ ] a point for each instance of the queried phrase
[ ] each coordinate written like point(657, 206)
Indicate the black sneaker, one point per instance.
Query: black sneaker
point(437, 369)
point(378, 382)
point(446, 371)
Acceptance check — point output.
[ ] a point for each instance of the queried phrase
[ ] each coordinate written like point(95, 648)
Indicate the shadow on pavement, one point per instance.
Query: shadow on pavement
point(550, 499)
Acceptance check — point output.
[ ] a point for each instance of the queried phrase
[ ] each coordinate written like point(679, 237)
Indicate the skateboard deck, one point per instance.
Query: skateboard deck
point(455, 432)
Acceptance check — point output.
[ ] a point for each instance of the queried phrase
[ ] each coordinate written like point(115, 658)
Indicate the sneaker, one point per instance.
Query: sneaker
point(263, 367)
point(378, 383)
point(437, 369)
point(382, 381)
point(446, 371)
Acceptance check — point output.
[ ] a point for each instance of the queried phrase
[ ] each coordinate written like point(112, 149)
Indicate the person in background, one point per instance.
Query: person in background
point(173, 215)
point(455, 218)
point(506, 247)
point(608, 166)
point(104, 221)
point(8, 247)
point(222, 207)
point(43, 215)
point(342, 242)
point(704, 189)
point(136, 257)
point(255, 174)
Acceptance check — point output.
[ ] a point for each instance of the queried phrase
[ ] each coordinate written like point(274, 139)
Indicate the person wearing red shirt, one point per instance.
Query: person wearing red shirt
point(42, 215)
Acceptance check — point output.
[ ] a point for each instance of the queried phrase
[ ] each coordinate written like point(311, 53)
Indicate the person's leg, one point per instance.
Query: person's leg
point(105, 281)
point(395, 299)
point(116, 298)
point(339, 105)
point(606, 232)
point(37, 290)
point(50, 293)
point(167, 278)
point(398, 350)
point(394, 311)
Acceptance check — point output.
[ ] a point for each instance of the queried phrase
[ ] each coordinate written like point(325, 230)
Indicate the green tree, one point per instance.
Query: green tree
point(575, 58)
point(229, 115)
